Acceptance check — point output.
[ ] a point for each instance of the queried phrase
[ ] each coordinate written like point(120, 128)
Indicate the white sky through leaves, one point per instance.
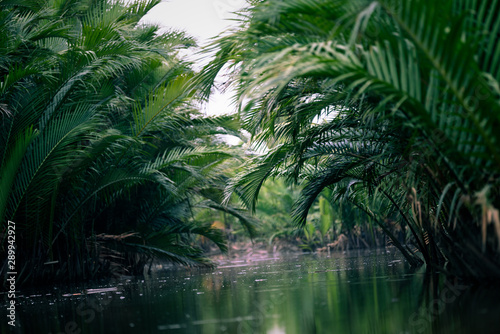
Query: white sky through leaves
point(202, 19)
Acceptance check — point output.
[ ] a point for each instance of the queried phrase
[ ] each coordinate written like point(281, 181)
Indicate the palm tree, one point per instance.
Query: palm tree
point(105, 156)
point(387, 100)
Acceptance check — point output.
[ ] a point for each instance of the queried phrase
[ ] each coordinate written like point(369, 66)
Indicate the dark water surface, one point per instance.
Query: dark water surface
point(374, 292)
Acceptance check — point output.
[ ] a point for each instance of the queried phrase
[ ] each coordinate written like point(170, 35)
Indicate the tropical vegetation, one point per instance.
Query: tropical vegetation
point(329, 226)
point(366, 117)
point(104, 154)
point(391, 106)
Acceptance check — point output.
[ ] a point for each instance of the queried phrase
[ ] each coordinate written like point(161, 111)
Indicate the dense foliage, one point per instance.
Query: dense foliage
point(384, 113)
point(391, 105)
point(104, 156)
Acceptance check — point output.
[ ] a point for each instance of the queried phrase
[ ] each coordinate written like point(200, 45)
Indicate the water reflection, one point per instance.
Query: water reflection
point(373, 292)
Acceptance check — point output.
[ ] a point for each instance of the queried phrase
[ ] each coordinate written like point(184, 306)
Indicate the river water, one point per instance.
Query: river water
point(369, 292)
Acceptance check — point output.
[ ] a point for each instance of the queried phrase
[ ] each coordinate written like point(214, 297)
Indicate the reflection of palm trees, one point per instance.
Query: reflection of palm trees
point(213, 283)
point(392, 105)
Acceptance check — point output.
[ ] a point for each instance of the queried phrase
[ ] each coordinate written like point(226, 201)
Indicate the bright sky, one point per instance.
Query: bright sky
point(201, 19)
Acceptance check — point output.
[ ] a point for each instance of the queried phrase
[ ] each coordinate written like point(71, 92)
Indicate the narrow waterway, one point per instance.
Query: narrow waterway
point(371, 292)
